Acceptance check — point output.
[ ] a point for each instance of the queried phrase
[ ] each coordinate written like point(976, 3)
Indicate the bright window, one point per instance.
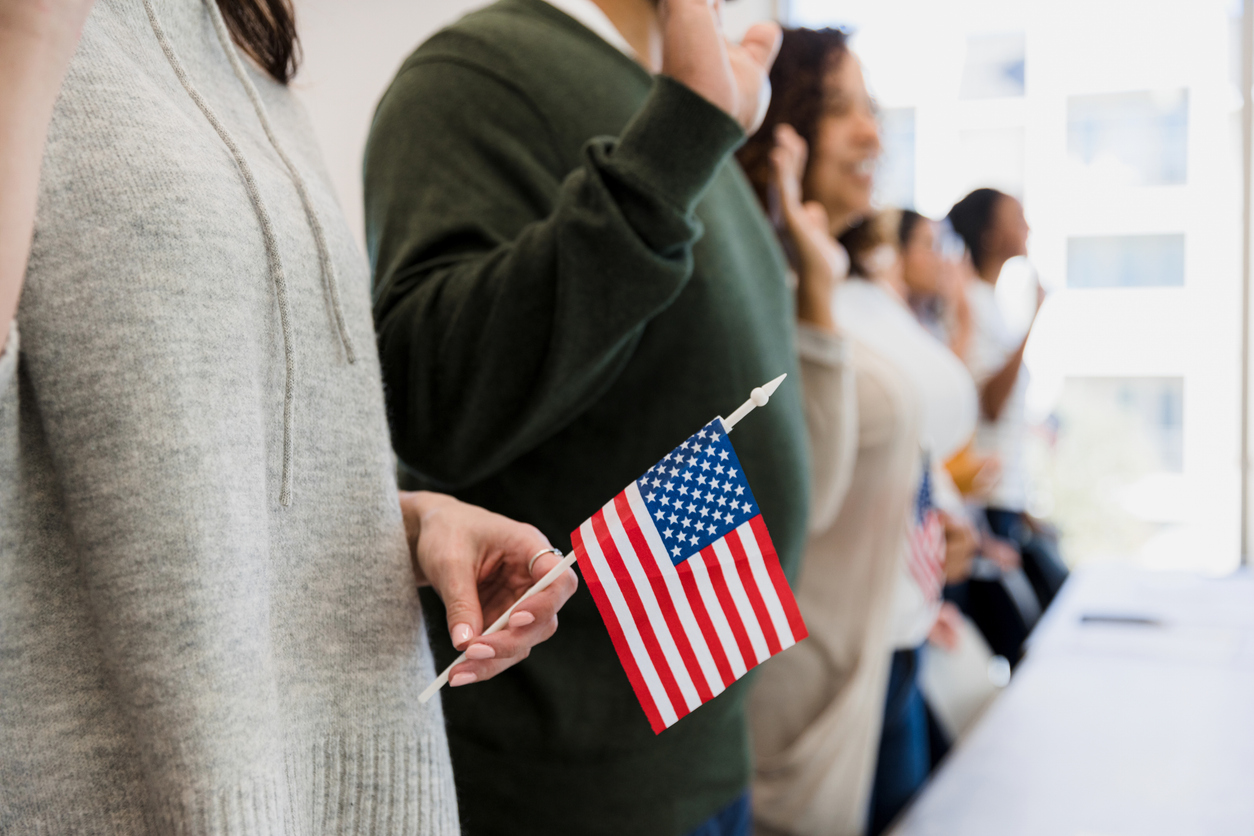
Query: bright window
point(1125, 261)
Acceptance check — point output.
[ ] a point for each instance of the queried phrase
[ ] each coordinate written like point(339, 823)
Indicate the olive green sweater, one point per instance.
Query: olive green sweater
point(573, 275)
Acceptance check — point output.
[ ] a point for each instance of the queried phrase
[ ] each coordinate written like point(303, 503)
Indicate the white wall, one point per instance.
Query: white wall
point(353, 49)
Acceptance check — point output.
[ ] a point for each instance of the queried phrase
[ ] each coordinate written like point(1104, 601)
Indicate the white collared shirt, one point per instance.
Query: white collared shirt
point(591, 16)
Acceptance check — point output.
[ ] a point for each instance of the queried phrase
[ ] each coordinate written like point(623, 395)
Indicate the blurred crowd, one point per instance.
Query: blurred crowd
point(925, 515)
point(592, 225)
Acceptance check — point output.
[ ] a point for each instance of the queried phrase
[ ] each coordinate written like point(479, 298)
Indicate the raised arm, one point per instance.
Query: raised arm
point(507, 299)
point(37, 40)
point(996, 390)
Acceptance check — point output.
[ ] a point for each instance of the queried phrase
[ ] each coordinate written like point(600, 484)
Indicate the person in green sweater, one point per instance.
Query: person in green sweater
point(572, 275)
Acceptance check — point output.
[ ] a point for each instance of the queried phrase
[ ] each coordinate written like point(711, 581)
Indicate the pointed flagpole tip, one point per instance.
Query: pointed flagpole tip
point(758, 397)
point(770, 388)
point(762, 394)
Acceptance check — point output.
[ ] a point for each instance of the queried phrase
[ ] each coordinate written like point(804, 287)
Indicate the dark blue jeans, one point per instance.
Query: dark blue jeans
point(736, 819)
point(905, 753)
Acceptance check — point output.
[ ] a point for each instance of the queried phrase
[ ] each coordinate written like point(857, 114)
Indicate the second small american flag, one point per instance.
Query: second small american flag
point(686, 578)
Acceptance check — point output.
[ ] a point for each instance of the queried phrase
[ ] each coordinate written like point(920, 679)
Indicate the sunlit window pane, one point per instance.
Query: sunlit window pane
point(994, 66)
point(894, 179)
point(1140, 138)
point(1125, 261)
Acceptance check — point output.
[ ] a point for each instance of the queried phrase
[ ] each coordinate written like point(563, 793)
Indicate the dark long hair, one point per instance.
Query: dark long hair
point(971, 218)
point(806, 56)
point(910, 221)
point(266, 31)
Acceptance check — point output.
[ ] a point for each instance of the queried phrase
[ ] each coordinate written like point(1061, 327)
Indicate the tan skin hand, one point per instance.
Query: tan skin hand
point(960, 547)
point(477, 562)
point(947, 631)
point(822, 264)
point(733, 77)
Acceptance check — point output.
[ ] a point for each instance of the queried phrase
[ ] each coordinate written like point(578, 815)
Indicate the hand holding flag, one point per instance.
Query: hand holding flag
point(685, 576)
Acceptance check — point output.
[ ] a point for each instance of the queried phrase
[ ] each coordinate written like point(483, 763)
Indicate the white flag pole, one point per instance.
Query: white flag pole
point(758, 397)
point(499, 624)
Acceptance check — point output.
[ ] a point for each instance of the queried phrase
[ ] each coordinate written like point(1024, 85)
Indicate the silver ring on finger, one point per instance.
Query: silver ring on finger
point(541, 553)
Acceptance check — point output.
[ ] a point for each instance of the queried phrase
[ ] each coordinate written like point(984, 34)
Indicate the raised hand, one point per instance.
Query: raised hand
point(821, 262)
point(732, 76)
point(477, 562)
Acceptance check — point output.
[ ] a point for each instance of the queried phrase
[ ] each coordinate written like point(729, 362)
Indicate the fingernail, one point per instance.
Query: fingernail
point(460, 679)
point(480, 651)
point(462, 634)
point(521, 619)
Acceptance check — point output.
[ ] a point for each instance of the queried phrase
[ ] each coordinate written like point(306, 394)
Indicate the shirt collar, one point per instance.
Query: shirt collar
point(591, 16)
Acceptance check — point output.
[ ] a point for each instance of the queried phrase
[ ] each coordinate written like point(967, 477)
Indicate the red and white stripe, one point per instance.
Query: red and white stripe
point(926, 556)
point(684, 633)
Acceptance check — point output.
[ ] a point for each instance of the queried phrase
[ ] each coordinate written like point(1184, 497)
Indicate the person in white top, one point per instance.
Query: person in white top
point(994, 229)
point(874, 310)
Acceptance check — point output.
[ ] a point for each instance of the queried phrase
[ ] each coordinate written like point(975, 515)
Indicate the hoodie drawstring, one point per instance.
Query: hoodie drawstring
point(302, 189)
point(269, 238)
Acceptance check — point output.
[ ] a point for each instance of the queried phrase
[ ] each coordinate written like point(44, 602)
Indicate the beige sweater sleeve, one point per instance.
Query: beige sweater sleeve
point(831, 410)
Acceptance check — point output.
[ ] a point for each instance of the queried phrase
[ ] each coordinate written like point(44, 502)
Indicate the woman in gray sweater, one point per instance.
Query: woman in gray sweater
point(209, 621)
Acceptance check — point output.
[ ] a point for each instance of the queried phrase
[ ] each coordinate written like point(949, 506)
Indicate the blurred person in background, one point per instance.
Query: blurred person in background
point(939, 541)
point(994, 230)
point(572, 275)
point(934, 270)
point(816, 710)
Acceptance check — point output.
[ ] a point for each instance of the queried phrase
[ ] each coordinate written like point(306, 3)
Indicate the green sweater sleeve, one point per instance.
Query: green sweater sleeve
point(509, 290)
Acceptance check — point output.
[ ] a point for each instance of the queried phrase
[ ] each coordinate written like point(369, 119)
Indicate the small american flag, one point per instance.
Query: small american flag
point(926, 556)
point(686, 578)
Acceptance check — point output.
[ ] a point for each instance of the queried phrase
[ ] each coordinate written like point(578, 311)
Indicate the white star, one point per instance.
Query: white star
point(740, 489)
point(692, 538)
point(669, 486)
point(656, 482)
point(683, 490)
point(672, 519)
point(709, 451)
point(731, 471)
point(718, 515)
point(674, 471)
point(685, 522)
point(684, 445)
point(713, 433)
point(722, 455)
point(705, 512)
point(722, 500)
point(705, 465)
point(687, 475)
point(748, 508)
point(666, 500)
point(718, 469)
point(701, 480)
point(679, 551)
point(649, 498)
point(696, 494)
point(692, 461)
point(692, 507)
point(701, 434)
point(668, 534)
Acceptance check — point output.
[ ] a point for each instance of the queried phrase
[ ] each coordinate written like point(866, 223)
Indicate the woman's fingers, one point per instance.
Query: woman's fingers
point(533, 622)
point(488, 656)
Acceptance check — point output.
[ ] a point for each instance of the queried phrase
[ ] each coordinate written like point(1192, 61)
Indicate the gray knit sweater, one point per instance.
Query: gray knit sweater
point(208, 621)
